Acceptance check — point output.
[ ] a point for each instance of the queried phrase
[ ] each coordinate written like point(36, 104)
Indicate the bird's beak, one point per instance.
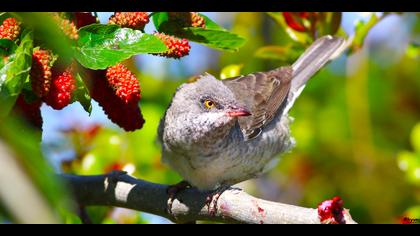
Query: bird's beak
point(238, 111)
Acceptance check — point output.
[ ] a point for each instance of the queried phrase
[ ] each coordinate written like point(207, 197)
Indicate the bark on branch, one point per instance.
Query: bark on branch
point(234, 205)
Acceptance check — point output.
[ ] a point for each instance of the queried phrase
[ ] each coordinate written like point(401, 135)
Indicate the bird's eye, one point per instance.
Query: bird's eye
point(209, 104)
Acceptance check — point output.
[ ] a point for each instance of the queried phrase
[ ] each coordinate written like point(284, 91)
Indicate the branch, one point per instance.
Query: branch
point(234, 205)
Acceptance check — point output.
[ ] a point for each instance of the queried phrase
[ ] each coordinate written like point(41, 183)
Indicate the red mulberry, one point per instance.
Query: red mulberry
point(124, 83)
point(188, 19)
point(10, 29)
point(177, 48)
point(331, 211)
point(31, 112)
point(40, 73)
point(127, 115)
point(62, 86)
point(134, 20)
point(84, 18)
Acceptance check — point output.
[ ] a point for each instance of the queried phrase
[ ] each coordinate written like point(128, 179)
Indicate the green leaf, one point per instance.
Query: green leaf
point(7, 47)
point(159, 19)
point(162, 23)
point(211, 24)
point(14, 73)
point(212, 36)
point(222, 40)
point(47, 31)
point(81, 94)
point(100, 46)
point(3, 16)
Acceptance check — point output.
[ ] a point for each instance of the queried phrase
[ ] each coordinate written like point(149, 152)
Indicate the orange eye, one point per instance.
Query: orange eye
point(208, 104)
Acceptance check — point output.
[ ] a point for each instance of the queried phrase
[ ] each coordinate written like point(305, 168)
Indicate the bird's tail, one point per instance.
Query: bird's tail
point(313, 59)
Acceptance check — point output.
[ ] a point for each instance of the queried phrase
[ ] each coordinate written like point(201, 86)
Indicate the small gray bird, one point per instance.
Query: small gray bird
point(218, 133)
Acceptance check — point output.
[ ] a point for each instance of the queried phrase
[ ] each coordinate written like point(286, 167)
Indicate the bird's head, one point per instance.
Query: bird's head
point(206, 105)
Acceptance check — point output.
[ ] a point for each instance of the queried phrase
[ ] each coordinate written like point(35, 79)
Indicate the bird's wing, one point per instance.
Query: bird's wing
point(267, 93)
point(263, 94)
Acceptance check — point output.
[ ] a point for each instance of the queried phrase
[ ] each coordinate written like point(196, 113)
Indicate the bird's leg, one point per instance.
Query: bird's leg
point(213, 197)
point(173, 190)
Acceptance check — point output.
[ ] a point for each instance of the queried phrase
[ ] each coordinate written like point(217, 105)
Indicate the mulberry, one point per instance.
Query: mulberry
point(331, 211)
point(68, 27)
point(177, 48)
point(188, 19)
point(134, 20)
point(31, 112)
point(124, 83)
point(10, 29)
point(40, 74)
point(127, 115)
point(84, 18)
point(62, 86)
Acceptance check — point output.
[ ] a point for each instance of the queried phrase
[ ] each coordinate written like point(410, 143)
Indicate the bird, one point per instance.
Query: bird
point(218, 133)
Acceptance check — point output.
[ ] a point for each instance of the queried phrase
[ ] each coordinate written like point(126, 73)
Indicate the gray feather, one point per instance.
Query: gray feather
point(311, 61)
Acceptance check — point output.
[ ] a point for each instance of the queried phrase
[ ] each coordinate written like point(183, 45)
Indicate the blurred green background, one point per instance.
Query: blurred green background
point(357, 123)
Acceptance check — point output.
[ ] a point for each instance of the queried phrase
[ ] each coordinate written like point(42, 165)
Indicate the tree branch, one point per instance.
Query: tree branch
point(234, 205)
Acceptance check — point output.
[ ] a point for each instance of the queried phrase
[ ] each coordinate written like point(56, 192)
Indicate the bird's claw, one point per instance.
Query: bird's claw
point(213, 198)
point(172, 191)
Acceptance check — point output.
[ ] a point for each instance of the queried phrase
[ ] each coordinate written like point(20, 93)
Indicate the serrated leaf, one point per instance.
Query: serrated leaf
point(14, 73)
point(211, 24)
point(162, 23)
point(100, 46)
point(81, 94)
point(213, 35)
point(221, 40)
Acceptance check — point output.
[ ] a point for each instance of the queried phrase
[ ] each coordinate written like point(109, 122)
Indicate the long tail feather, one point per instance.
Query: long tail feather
point(312, 60)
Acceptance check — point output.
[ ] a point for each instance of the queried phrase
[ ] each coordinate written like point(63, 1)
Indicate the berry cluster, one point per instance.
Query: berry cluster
point(331, 211)
point(84, 18)
point(116, 89)
point(124, 83)
point(40, 73)
point(126, 115)
point(68, 27)
point(188, 19)
point(30, 111)
point(62, 86)
point(134, 20)
point(9, 29)
point(177, 48)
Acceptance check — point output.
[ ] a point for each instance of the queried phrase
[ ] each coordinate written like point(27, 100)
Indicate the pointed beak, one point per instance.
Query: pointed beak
point(238, 111)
